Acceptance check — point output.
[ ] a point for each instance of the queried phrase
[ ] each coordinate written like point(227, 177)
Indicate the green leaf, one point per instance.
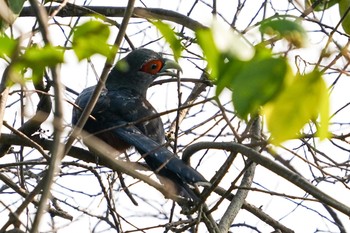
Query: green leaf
point(303, 100)
point(16, 6)
point(257, 83)
point(170, 37)
point(46, 56)
point(253, 83)
point(91, 38)
point(37, 59)
point(7, 46)
point(227, 72)
point(322, 5)
point(343, 8)
point(283, 28)
point(206, 42)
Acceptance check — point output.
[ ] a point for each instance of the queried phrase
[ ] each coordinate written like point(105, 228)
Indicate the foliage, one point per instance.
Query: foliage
point(91, 38)
point(292, 31)
point(303, 100)
point(7, 46)
point(170, 37)
point(266, 79)
point(343, 7)
point(37, 59)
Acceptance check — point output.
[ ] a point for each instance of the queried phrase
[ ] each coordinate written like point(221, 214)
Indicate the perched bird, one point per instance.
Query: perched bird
point(123, 101)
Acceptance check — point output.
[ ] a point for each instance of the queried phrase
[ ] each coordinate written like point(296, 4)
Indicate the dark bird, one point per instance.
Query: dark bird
point(123, 101)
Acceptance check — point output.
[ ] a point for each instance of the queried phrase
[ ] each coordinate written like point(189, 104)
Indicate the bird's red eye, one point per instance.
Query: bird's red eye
point(152, 67)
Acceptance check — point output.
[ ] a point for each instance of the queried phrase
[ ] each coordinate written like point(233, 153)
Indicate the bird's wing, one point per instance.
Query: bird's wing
point(83, 99)
point(121, 104)
point(131, 107)
point(115, 111)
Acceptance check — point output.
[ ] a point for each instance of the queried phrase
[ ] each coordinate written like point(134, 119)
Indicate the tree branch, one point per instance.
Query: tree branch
point(57, 148)
point(71, 10)
point(89, 157)
point(256, 157)
point(247, 180)
point(107, 158)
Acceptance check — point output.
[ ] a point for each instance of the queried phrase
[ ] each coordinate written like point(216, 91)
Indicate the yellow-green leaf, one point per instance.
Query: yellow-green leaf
point(91, 38)
point(37, 59)
point(284, 28)
point(46, 56)
point(206, 42)
point(303, 100)
point(322, 130)
point(7, 46)
point(170, 37)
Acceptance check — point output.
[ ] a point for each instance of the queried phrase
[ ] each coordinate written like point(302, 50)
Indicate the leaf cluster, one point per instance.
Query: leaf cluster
point(265, 83)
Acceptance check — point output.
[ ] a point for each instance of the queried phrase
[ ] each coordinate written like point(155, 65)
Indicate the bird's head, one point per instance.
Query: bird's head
point(139, 69)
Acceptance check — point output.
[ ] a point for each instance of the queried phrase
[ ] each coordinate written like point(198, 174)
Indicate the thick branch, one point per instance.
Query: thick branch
point(71, 10)
point(289, 175)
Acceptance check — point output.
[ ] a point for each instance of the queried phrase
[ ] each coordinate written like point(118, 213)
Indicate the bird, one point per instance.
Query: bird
point(124, 118)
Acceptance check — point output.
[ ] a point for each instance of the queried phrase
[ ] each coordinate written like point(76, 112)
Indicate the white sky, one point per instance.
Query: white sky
point(300, 219)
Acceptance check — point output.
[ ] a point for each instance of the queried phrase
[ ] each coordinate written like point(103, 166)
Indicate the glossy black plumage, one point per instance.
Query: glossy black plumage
point(124, 101)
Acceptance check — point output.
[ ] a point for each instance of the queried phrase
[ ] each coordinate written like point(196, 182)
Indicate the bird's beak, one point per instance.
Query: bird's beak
point(169, 65)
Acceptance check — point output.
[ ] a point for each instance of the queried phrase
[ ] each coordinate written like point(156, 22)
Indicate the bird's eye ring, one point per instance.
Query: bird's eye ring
point(152, 67)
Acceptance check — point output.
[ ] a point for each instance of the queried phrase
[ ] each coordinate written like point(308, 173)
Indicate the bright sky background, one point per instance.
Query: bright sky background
point(79, 75)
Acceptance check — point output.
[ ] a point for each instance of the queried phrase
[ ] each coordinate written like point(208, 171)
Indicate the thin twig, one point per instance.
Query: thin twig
point(247, 180)
point(291, 176)
point(147, 13)
point(57, 149)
